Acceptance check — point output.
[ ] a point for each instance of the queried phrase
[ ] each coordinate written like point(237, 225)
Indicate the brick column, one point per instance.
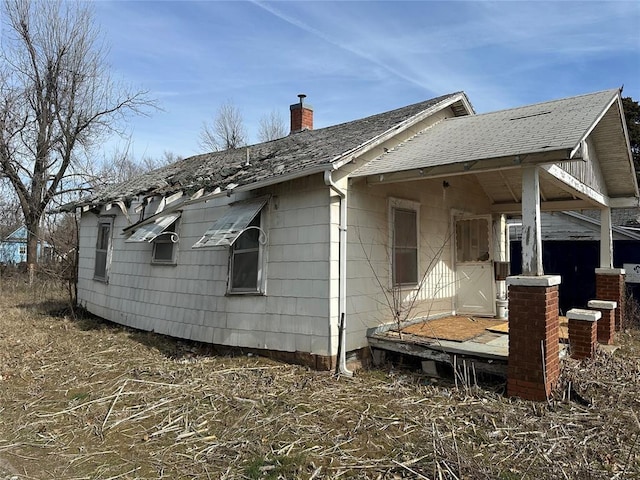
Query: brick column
point(610, 286)
point(607, 323)
point(534, 355)
point(582, 332)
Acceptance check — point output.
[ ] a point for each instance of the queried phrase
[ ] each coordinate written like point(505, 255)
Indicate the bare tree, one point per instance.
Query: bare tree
point(10, 217)
point(226, 131)
point(56, 101)
point(120, 166)
point(272, 127)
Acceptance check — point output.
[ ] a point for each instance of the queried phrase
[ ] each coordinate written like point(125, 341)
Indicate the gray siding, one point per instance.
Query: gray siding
point(189, 300)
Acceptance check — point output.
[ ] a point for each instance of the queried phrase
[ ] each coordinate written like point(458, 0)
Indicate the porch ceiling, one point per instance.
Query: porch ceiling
point(504, 188)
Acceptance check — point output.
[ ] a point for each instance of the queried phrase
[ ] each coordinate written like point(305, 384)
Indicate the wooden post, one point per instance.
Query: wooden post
point(531, 231)
point(606, 239)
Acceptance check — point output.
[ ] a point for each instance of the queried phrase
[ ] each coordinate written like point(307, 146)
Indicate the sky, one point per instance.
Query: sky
point(355, 59)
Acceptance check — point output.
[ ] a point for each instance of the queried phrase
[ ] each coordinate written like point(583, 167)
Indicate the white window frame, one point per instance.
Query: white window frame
point(106, 251)
point(406, 205)
point(168, 236)
point(260, 263)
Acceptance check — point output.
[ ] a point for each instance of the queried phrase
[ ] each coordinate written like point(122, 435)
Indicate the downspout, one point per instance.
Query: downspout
point(342, 273)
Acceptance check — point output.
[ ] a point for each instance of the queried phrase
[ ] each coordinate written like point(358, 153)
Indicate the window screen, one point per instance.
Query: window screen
point(405, 247)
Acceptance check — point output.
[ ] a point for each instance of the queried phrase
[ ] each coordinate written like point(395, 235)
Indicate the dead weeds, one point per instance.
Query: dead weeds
point(85, 399)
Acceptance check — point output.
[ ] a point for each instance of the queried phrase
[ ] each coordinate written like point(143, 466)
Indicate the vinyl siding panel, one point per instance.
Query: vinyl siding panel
point(189, 300)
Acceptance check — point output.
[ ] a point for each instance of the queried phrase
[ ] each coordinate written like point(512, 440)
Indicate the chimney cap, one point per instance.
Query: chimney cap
point(302, 96)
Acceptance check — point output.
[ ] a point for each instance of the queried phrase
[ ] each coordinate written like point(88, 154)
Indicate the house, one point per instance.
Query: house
point(13, 248)
point(300, 246)
point(571, 245)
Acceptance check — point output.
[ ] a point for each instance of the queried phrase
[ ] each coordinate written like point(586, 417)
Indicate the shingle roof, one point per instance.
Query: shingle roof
point(543, 127)
point(622, 217)
point(306, 151)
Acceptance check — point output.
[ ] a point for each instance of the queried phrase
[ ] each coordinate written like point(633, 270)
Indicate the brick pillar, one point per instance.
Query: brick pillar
point(607, 323)
point(534, 355)
point(610, 286)
point(582, 332)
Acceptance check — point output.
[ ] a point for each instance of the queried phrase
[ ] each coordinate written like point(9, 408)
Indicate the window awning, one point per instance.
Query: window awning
point(148, 232)
point(227, 228)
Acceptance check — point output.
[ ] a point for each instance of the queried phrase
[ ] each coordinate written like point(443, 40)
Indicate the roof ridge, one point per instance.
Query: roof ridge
point(548, 102)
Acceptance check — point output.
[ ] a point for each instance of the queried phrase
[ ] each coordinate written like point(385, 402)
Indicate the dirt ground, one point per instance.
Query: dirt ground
point(81, 398)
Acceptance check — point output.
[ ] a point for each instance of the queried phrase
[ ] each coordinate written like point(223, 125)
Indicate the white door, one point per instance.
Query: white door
point(475, 292)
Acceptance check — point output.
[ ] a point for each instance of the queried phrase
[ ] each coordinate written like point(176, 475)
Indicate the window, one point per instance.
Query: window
point(241, 229)
point(163, 232)
point(102, 249)
point(472, 240)
point(164, 245)
point(244, 270)
point(405, 246)
point(404, 220)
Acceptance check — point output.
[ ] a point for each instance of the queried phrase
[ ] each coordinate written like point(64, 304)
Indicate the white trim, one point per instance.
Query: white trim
point(606, 239)
point(594, 124)
point(625, 132)
point(610, 271)
point(409, 205)
point(531, 281)
point(624, 202)
point(260, 287)
point(585, 315)
point(531, 223)
point(104, 220)
point(573, 183)
point(602, 304)
point(173, 238)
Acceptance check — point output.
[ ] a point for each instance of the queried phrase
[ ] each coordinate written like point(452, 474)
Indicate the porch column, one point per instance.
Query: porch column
point(534, 354)
point(531, 231)
point(500, 245)
point(606, 239)
point(610, 286)
point(610, 283)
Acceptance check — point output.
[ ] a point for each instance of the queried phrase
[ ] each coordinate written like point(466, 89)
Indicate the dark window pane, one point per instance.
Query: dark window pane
point(249, 238)
point(103, 236)
point(101, 264)
point(405, 264)
point(163, 251)
point(405, 233)
point(245, 271)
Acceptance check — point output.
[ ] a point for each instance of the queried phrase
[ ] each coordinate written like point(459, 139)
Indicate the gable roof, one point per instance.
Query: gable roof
point(19, 235)
point(296, 155)
point(544, 132)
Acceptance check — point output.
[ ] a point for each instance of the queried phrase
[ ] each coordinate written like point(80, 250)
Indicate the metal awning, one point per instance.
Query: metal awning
point(148, 232)
point(228, 228)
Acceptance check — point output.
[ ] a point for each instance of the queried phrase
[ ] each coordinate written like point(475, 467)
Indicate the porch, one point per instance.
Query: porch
point(455, 340)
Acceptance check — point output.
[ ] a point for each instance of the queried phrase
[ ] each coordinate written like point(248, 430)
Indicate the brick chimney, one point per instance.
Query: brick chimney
point(301, 115)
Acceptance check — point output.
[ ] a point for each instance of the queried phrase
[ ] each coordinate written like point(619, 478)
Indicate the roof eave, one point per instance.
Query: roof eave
point(217, 193)
point(472, 166)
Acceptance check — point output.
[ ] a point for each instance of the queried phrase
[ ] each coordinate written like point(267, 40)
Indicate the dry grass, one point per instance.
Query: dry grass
point(85, 399)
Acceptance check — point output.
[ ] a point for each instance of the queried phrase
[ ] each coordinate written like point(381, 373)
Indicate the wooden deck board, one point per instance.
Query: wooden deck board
point(452, 328)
